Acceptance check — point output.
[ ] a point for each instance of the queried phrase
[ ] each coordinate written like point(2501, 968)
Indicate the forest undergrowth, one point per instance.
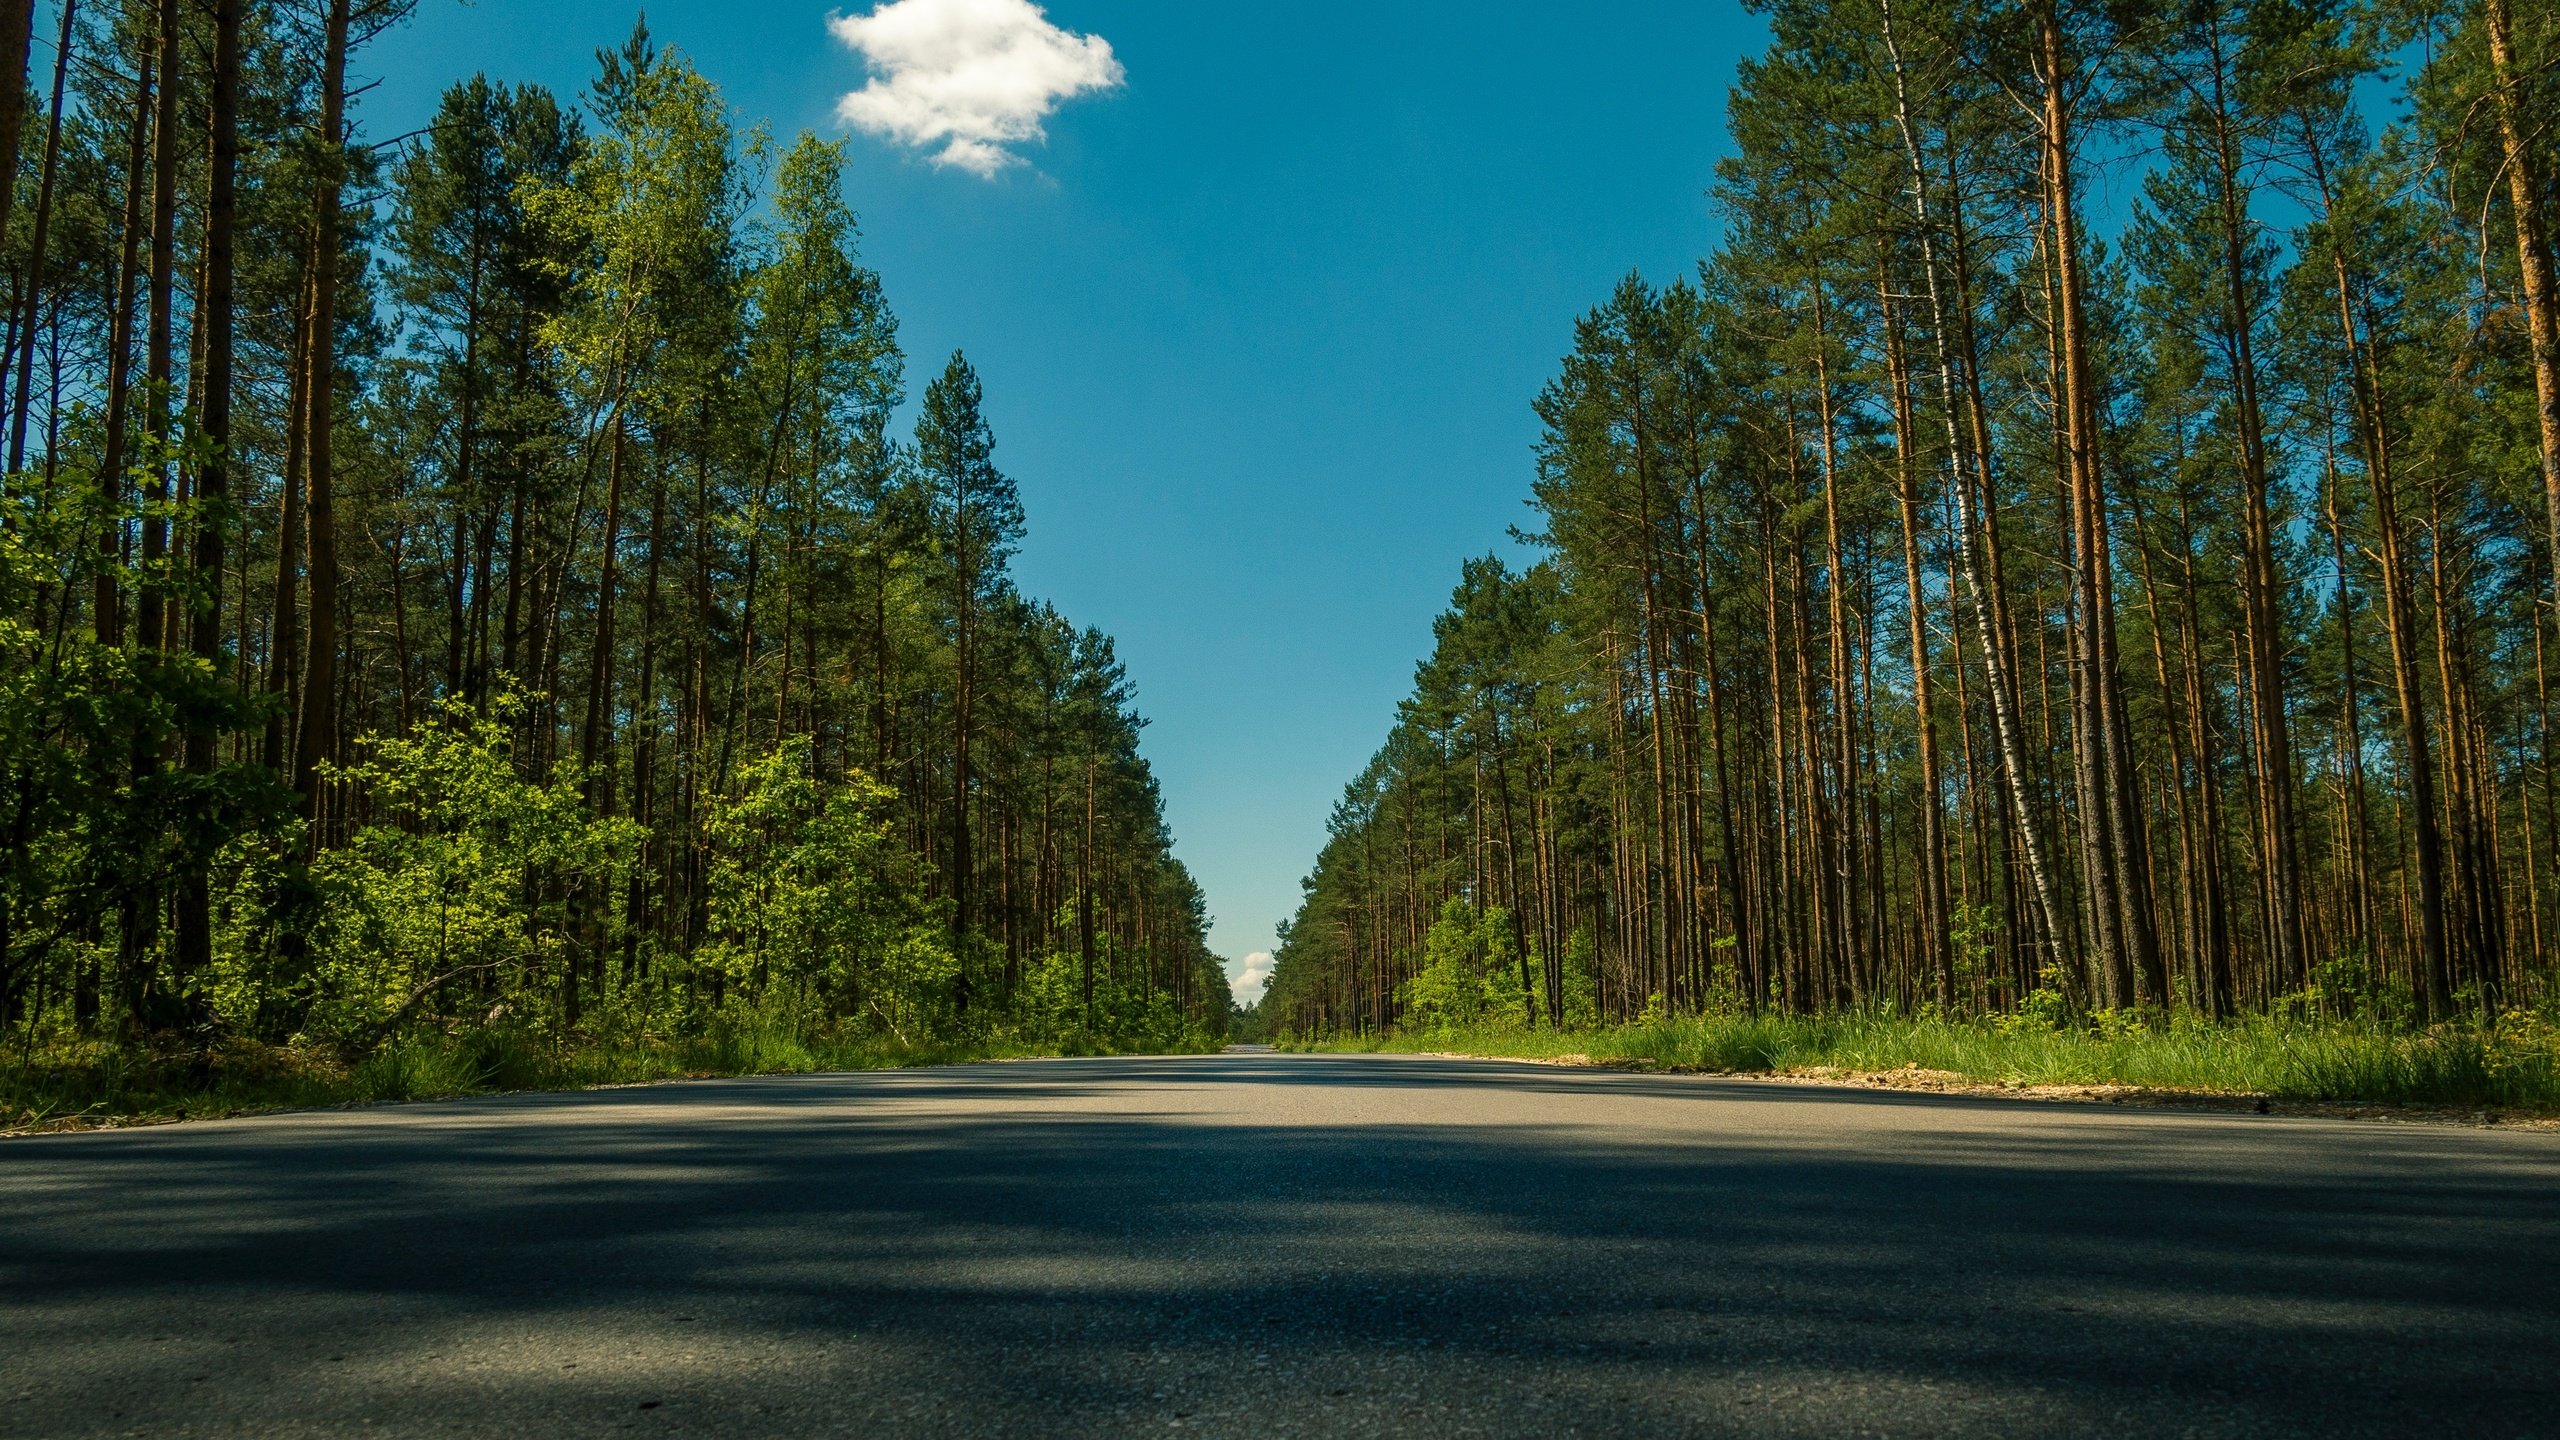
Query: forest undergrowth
point(92, 1084)
point(2510, 1064)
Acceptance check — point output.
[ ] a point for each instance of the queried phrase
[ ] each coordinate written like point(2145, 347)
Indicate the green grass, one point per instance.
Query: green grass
point(86, 1084)
point(2510, 1066)
point(2513, 1065)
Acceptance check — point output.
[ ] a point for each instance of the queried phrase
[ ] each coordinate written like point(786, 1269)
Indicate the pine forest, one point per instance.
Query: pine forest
point(2082, 545)
point(471, 582)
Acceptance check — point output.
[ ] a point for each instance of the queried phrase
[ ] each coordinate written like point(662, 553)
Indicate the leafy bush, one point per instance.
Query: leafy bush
point(811, 892)
point(1049, 1008)
point(472, 871)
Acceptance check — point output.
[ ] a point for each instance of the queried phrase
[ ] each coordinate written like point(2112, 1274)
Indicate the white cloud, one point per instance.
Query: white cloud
point(1247, 983)
point(970, 76)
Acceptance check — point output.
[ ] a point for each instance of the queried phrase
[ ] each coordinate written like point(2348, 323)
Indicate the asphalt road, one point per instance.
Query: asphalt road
point(1256, 1244)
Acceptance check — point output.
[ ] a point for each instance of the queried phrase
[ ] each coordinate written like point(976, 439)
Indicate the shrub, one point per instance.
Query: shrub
point(811, 894)
point(472, 870)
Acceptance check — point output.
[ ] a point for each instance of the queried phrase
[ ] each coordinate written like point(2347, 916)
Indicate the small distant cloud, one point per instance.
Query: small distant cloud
point(1248, 981)
point(970, 76)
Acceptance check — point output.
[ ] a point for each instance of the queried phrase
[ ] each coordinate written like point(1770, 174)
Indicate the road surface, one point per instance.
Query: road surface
point(1259, 1244)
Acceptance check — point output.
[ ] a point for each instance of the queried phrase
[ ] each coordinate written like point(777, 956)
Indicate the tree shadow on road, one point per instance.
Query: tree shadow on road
point(1751, 1259)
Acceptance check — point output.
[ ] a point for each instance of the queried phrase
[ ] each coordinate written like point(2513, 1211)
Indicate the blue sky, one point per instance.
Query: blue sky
point(1260, 324)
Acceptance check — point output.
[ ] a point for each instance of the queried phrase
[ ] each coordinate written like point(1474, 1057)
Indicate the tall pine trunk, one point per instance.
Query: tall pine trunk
point(1960, 480)
point(2129, 934)
point(2533, 258)
point(23, 396)
point(194, 953)
point(316, 735)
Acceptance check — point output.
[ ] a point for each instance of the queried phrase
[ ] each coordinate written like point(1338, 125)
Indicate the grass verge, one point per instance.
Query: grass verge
point(2512, 1065)
point(93, 1085)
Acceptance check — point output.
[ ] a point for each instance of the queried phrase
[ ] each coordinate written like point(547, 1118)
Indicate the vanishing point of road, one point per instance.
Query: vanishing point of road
point(1261, 1244)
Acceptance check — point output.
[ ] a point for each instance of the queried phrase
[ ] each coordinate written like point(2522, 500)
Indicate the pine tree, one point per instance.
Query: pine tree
point(976, 518)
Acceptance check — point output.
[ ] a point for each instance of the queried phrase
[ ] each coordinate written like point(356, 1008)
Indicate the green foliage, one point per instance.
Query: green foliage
point(472, 871)
point(2046, 1007)
point(95, 819)
point(2510, 1064)
point(811, 894)
point(1448, 990)
point(641, 232)
point(1048, 1008)
point(1470, 973)
point(77, 1084)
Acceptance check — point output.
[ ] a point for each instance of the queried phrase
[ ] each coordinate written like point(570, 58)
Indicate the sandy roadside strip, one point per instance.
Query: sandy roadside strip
point(1946, 1082)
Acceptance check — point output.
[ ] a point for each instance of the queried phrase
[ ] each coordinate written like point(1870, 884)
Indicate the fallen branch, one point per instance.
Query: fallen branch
point(383, 1031)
